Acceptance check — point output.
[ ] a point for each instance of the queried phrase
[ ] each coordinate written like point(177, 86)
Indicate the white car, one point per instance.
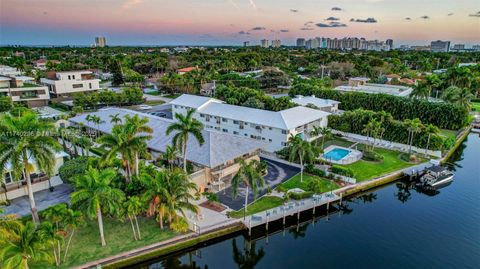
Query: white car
point(144, 107)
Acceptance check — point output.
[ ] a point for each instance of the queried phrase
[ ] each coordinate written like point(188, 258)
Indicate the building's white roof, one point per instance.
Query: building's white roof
point(75, 72)
point(218, 148)
point(318, 102)
point(4, 78)
point(286, 119)
point(360, 78)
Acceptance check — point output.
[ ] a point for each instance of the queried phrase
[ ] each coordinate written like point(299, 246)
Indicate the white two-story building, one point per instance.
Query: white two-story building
point(275, 128)
point(23, 89)
point(69, 82)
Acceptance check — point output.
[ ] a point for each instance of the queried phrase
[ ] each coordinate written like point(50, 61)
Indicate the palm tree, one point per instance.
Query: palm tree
point(459, 96)
point(373, 129)
point(84, 143)
point(185, 126)
point(325, 132)
point(115, 119)
point(430, 129)
point(250, 258)
point(55, 215)
point(18, 149)
point(413, 126)
point(8, 224)
point(301, 149)
point(248, 174)
point(52, 237)
point(179, 189)
point(72, 220)
point(25, 246)
point(95, 194)
point(134, 206)
point(171, 154)
point(137, 127)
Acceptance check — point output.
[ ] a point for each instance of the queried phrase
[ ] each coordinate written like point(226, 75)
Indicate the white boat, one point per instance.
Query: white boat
point(436, 176)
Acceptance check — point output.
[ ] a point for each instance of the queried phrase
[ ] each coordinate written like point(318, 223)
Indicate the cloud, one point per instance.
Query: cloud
point(367, 20)
point(130, 3)
point(308, 23)
point(475, 14)
point(332, 19)
point(450, 14)
point(294, 10)
point(408, 19)
point(243, 33)
point(234, 4)
point(332, 24)
point(425, 17)
point(306, 28)
point(283, 30)
point(253, 4)
point(258, 28)
point(337, 9)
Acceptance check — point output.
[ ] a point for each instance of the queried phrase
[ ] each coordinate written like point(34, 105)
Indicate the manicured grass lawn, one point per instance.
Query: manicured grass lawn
point(364, 170)
point(172, 96)
point(85, 246)
point(476, 106)
point(335, 140)
point(262, 204)
point(294, 182)
point(154, 102)
point(448, 133)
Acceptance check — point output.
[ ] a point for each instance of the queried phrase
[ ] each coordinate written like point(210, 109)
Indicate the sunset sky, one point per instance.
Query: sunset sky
point(230, 22)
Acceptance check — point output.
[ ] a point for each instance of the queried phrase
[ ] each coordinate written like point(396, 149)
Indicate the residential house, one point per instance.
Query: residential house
point(361, 84)
point(69, 82)
point(23, 89)
point(326, 105)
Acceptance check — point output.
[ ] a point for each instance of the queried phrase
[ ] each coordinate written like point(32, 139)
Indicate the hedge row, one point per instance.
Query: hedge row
point(396, 131)
point(443, 115)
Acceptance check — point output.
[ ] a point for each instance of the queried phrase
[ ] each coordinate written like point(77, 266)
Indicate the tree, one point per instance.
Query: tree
point(72, 220)
point(116, 70)
point(458, 96)
point(250, 258)
point(155, 193)
point(414, 126)
point(115, 119)
point(52, 237)
point(185, 126)
point(137, 127)
point(25, 246)
point(5, 103)
point(250, 175)
point(179, 189)
point(430, 129)
point(19, 149)
point(170, 155)
point(301, 149)
point(95, 195)
point(53, 226)
point(323, 131)
point(133, 207)
point(372, 129)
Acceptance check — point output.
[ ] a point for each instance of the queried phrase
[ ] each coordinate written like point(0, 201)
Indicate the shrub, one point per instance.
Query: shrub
point(281, 188)
point(344, 171)
point(211, 196)
point(300, 195)
point(180, 225)
point(311, 169)
point(372, 156)
point(72, 168)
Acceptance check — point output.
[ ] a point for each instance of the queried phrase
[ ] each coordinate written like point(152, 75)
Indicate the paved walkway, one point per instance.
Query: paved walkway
point(277, 173)
point(43, 200)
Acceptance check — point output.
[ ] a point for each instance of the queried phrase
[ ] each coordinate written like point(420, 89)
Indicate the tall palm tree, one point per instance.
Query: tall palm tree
point(185, 126)
point(8, 224)
point(171, 154)
point(430, 129)
point(301, 150)
point(250, 175)
point(179, 189)
point(325, 132)
point(19, 150)
point(72, 220)
point(134, 206)
point(250, 258)
point(25, 246)
point(53, 238)
point(155, 193)
point(94, 194)
point(413, 126)
point(139, 133)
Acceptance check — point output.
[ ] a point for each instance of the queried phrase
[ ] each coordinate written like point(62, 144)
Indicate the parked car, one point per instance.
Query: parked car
point(144, 107)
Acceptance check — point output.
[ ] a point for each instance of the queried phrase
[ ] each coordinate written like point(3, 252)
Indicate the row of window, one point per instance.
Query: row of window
point(237, 133)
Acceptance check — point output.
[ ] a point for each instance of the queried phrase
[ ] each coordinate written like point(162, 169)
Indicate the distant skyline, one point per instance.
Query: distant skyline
point(230, 22)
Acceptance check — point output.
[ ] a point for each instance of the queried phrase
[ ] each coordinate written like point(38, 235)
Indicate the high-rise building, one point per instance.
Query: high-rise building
point(264, 43)
point(440, 46)
point(246, 43)
point(100, 41)
point(389, 42)
point(276, 43)
point(301, 42)
point(476, 47)
point(458, 47)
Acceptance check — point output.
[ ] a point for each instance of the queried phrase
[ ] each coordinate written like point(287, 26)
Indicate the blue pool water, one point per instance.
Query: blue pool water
point(336, 154)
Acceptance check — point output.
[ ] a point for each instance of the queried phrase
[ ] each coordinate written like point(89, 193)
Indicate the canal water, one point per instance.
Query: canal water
point(396, 226)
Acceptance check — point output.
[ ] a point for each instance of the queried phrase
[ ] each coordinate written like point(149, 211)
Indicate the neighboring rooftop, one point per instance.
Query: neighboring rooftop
point(378, 88)
point(285, 119)
point(217, 149)
point(318, 102)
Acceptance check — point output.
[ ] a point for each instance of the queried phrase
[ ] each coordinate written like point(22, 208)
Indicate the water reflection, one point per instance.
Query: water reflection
point(249, 257)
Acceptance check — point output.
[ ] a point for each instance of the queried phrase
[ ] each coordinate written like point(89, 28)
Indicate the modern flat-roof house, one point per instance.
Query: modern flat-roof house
point(13, 188)
point(23, 89)
point(215, 162)
point(275, 128)
point(69, 82)
point(326, 105)
point(360, 85)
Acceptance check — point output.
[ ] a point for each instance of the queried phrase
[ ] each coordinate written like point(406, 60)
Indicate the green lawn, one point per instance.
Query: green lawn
point(85, 246)
point(364, 170)
point(154, 102)
point(476, 106)
point(262, 204)
point(448, 133)
point(294, 182)
point(335, 140)
point(172, 96)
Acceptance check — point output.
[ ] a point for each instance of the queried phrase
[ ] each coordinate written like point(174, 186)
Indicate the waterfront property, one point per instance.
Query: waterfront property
point(275, 128)
point(214, 163)
point(326, 105)
point(341, 155)
point(13, 188)
point(361, 84)
point(69, 82)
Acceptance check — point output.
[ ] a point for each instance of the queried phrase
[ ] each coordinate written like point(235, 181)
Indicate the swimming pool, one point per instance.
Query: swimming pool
point(336, 154)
